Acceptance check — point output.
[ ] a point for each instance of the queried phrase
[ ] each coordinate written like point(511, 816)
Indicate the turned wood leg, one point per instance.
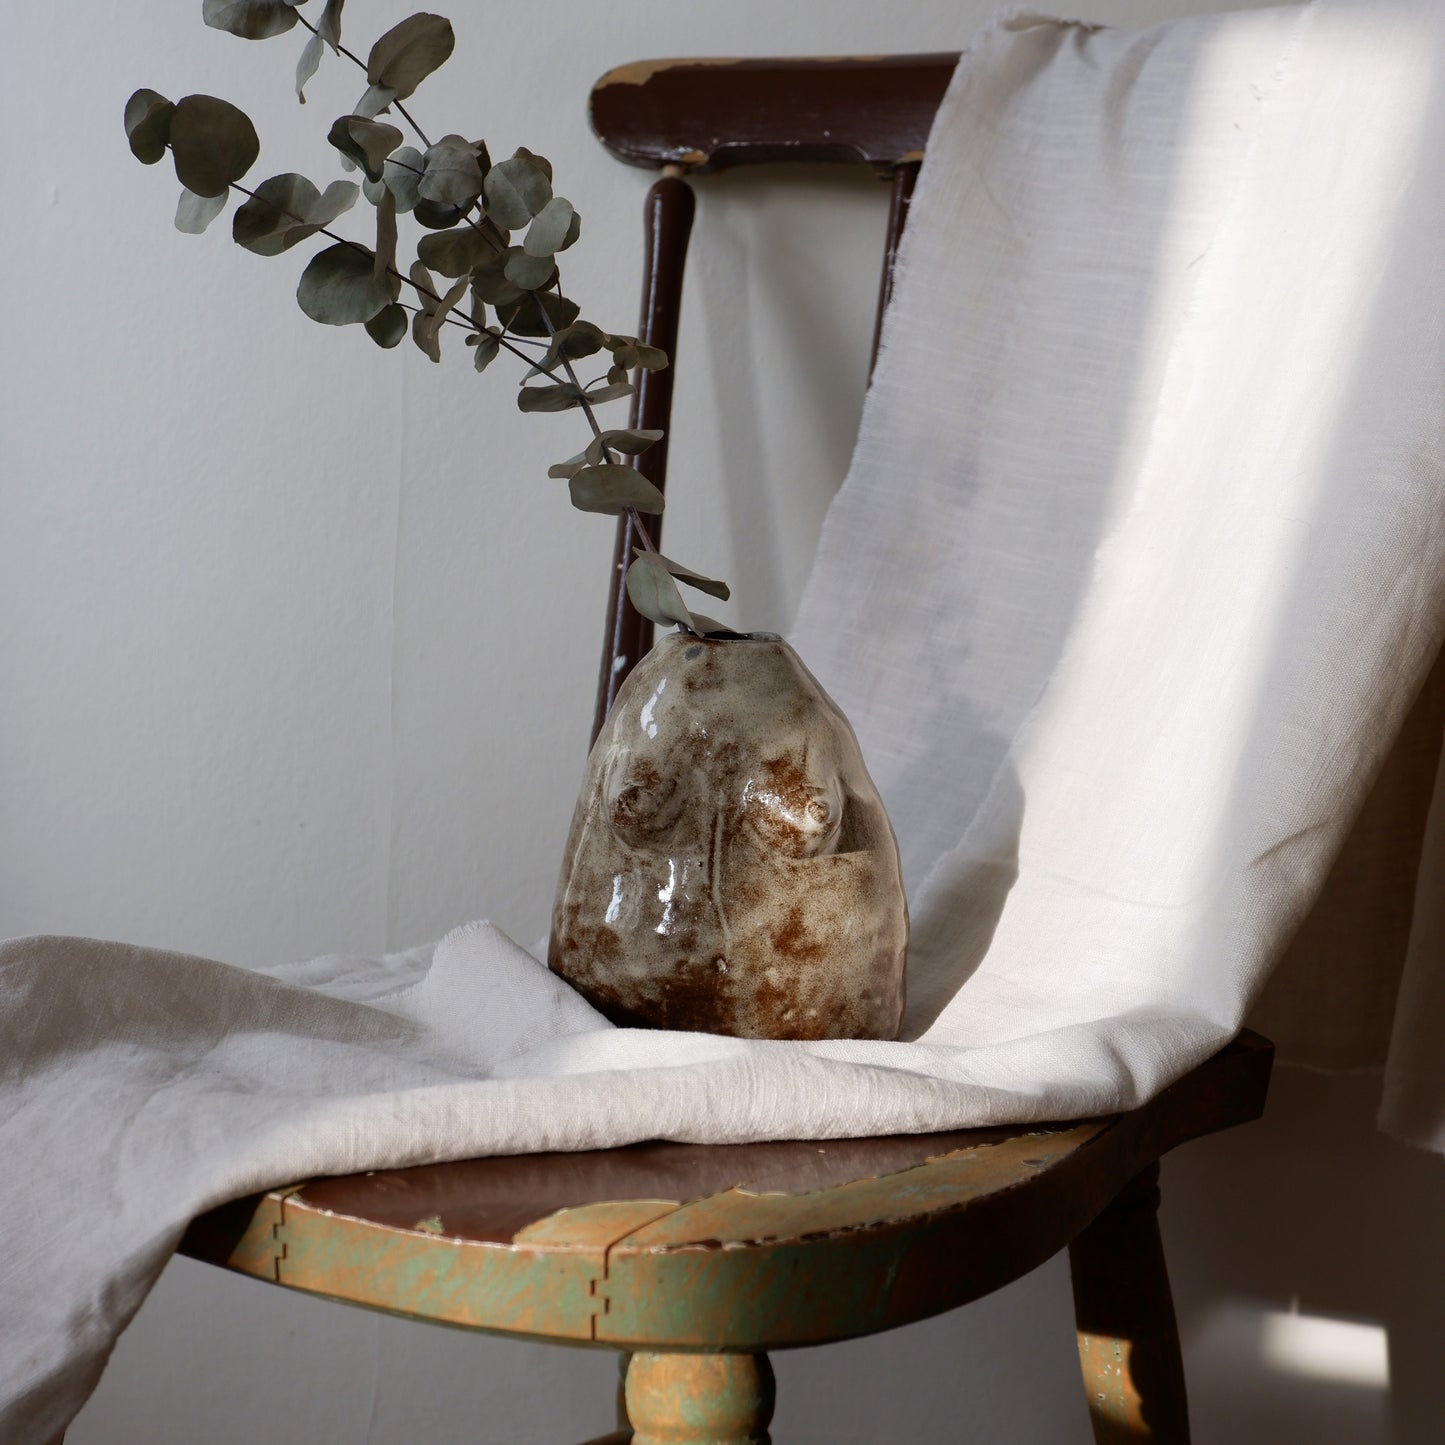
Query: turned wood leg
point(1128, 1340)
point(700, 1399)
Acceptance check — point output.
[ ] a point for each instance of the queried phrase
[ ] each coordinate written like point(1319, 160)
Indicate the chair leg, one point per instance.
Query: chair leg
point(1128, 1339)
point(700, 1399)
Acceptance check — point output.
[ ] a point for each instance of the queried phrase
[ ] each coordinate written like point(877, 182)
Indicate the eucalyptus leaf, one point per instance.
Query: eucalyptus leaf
point(338, 198)
point(516, 190)
point(409, 52)
point(308, 63)
point(424, 337)
point(276, 207)
point(374, 100)
point(524, 316)
point(550, 228)
point(455, 253)
point(148, 125)
point(327, 32)
point(329, 26)
point(617, 373)
point(437, 318)
point(399, 175)
point(491, 283)
point(367, 142)
point(561, 396)
point(338, 286)
point(629, 352)
point(426, 328)
point(654, 594)
point(385, 262)
point(194, 213)
point(436, 217)
point(428, 322)
point(453, 173)
point(486, 345)
point(388, 326)
point(686, 575)
point(286, 209)
point(250, 19)
point(630, 441)
point(574, 342)
point(541, 162)
point(611, 391)
point(531, 273)
point(212, 143)
point(571, 466)
point(612, 489)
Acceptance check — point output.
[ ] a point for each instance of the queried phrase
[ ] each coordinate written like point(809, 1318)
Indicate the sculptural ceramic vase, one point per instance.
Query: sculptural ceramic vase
point(730, 867)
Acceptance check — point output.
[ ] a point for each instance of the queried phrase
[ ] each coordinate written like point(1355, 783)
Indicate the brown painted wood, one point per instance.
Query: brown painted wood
point(667, 217)
point(711, 114)
point(1128, 1339)
point(905, 177)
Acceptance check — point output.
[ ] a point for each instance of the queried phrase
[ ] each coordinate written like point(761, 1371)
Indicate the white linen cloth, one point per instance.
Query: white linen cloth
point(1136, 572)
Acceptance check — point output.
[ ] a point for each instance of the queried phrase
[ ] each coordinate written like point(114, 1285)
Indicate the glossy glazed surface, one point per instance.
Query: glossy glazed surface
point(730, 867)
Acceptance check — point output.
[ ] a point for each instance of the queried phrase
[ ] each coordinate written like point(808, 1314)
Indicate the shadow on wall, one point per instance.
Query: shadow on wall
point(1306, 1254)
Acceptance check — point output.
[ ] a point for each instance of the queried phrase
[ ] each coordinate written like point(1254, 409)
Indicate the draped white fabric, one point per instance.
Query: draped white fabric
point(1135, 575)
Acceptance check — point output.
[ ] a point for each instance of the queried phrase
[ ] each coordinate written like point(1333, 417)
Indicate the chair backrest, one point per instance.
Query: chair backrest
point(685, 117)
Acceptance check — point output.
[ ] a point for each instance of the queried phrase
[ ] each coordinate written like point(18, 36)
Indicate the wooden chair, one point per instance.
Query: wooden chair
point(695, 1261)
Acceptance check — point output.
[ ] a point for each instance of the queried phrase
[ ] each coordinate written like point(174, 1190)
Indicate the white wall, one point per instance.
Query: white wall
point(287, 668)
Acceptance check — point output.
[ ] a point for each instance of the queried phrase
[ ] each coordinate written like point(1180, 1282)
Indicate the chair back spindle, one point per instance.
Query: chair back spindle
point(668, 218)
point(684, 117)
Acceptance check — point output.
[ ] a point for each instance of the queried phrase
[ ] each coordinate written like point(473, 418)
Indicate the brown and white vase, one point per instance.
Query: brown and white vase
point(730, 867)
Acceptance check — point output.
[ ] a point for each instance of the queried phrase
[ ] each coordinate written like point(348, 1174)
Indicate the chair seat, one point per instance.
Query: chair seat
point(718, 1247)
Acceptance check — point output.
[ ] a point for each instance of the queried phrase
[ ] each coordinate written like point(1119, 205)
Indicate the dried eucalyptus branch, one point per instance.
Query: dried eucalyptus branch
point(503, 294)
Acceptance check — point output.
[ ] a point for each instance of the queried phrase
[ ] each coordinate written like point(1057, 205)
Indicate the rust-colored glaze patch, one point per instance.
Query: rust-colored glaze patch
point(792, 940)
